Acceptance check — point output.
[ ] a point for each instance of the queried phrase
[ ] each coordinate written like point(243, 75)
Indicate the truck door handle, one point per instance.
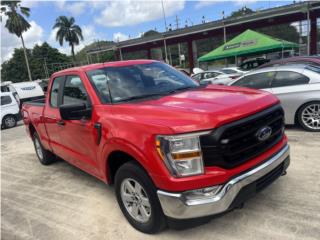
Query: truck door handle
point(61, 123)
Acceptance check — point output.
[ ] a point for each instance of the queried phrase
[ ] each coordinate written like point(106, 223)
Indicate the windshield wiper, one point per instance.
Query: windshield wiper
point(140, 97)
point(182, 89)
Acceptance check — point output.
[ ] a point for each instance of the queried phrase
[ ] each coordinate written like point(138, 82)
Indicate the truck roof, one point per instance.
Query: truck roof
point(106, 64)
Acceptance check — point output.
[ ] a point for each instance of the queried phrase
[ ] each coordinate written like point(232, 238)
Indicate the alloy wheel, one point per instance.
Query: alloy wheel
point(135, 200)
point(311, 116)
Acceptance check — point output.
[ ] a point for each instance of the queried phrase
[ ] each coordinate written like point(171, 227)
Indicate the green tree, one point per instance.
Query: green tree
point(282, 31)
point(16, 23)
point(241, 12)
point(151, 33)
point(43, 59)
point(68, 31)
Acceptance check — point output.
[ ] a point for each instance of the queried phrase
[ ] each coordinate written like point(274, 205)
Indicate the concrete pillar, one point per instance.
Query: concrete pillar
point(195, 54)
point(190, 55)
point(149, 53)
point(313, 34)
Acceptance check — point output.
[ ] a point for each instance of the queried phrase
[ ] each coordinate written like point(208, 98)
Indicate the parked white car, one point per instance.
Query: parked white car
point(10, 112)
point(214, 77)
point(233, 70)
point(297, 87)
point(26, 91)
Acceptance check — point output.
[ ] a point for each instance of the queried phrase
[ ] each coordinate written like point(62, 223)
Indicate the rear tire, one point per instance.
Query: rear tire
point(45, 157)
point(9, 121)
point(309, 116)
point(138, 200)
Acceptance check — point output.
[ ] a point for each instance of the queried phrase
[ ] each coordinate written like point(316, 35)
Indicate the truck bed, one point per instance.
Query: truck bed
point(37, 102)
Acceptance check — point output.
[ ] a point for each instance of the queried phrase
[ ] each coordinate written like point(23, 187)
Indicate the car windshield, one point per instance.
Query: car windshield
point(228, 71)
point(140, 81)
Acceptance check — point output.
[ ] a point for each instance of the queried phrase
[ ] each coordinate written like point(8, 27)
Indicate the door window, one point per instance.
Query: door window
point(5, 100)
point(288, 78)
point(54, 93)
point(74, 91)
point(256, 81)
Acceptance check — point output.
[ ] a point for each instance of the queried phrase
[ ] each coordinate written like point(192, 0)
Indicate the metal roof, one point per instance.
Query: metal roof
point(259, 15)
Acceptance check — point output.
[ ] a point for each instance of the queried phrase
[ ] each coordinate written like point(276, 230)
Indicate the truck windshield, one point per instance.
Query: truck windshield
point(141, 81)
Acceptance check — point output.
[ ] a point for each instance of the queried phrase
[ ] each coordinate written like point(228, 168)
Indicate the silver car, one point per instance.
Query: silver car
point(297, 87)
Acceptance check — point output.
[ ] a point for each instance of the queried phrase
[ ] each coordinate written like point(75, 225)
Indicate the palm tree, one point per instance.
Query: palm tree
point(68, 31)
point(16, 23)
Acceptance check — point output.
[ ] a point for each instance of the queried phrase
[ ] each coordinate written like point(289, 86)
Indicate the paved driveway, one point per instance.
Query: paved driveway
point(62, 202)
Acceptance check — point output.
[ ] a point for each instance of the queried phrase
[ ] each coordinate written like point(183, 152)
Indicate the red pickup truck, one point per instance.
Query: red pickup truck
point(174, 149)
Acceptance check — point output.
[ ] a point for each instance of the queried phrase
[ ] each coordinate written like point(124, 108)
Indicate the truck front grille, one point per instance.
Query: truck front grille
point(233, 144)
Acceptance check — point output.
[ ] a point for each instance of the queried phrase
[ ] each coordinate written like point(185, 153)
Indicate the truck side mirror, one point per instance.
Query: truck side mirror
point(74, 111)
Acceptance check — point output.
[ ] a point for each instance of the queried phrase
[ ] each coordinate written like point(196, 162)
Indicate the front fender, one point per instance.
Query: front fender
point(118, 144)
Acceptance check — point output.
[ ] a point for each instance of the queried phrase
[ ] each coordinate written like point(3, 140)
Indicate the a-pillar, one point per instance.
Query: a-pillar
point(313, 33)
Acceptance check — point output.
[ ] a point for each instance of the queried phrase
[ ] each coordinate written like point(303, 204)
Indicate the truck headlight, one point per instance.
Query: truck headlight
point(181, 153)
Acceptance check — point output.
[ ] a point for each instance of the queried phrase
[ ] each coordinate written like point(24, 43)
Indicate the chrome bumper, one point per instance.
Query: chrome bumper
point(179, 206)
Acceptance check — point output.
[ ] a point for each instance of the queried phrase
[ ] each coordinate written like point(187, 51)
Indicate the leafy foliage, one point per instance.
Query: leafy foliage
point(68, 31)
point(15, 23)
point(13, 70)
point(151, 33)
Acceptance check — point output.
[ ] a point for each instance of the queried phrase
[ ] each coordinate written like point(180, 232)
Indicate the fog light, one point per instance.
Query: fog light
point(202, 193)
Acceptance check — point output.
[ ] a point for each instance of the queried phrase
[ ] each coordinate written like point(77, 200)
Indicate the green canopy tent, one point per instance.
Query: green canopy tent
point(248, 42)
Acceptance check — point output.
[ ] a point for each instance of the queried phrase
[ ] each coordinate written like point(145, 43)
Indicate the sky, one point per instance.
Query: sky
point(117, 20)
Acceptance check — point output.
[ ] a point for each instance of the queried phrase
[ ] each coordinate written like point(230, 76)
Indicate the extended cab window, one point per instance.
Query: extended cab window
point(5, 100)
point(54, 93)
point(74, 91)
point(288, 78)
point(257, 81)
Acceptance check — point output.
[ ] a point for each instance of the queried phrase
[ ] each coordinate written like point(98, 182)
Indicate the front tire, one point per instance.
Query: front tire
point(138, 200)
point(45, 157)
point(309, 116)
point(9, 121)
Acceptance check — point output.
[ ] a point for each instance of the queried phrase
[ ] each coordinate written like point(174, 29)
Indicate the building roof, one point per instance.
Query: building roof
point(262, 14)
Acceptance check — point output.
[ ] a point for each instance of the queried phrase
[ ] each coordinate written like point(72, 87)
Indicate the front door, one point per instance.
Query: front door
point(78, 136)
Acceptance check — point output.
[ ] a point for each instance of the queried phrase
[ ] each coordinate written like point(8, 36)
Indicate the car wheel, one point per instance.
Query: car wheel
point(138, 200)
point(9, 121)
point(45, 157)
point(309, 116)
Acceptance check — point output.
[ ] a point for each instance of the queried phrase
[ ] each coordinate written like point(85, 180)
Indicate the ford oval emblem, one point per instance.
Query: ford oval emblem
point(264, 133)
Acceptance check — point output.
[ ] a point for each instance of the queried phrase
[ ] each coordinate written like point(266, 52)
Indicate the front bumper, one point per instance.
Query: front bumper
point(229, 195)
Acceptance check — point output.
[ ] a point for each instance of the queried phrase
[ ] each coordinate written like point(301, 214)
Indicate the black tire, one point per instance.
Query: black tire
point(9, 121)
point(157, 220)
point(47, 156)
point(300, 116)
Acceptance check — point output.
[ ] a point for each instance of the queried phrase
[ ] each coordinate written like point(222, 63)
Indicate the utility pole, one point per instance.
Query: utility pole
point(308, 30)
point(224, 37)
point(164, 39)
point(179, 47)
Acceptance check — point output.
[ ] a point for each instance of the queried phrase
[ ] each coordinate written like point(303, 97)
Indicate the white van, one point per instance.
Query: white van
point(26, 91)
point(10, 112)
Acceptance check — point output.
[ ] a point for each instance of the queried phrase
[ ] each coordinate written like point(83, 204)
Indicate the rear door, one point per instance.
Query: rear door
point(52, 117)
point(290, 88)
point(78, 137)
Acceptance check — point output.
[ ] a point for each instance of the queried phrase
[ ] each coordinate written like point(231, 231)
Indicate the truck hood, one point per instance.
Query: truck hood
point(196, 110)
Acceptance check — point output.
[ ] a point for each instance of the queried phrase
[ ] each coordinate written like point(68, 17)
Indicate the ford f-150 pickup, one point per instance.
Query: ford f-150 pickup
point(174, 150)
